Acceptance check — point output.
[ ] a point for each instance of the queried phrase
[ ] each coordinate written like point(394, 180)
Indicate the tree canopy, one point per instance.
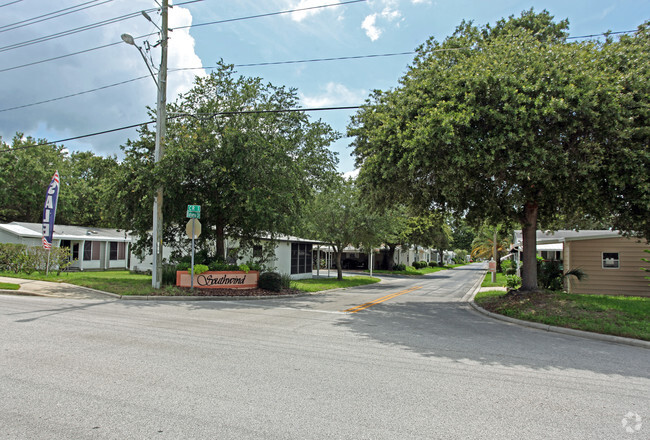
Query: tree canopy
point(26, 171)
point(234, 148)
point(515, 123)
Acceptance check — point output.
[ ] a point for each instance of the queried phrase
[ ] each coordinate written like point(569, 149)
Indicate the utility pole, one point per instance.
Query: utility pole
point(161, 125)
point(495, 254)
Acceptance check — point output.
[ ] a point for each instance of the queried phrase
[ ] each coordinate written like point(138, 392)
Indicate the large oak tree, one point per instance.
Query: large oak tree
point(236, 147)
point(515, 123)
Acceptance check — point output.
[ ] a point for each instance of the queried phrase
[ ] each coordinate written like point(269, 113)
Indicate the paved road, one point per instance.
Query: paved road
point(419, 365)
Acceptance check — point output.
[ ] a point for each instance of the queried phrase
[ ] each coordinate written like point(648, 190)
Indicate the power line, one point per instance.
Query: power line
point(269, 14)
point(74, 94)
point(601, 34)
point(355, 57)
point(270, 63)
point(73, 31)
point(178, 4)
point(10, 3)
point(232, 113)
point(51, 15)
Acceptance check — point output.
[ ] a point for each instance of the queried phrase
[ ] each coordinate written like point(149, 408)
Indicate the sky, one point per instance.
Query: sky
point(362, 28)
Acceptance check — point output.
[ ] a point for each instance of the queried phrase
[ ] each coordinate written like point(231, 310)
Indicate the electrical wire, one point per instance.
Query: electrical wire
point(74, 94)
point(270, 63)
point(50, 15)
point(10, 3)
point(356, 57)
point(73, 31)
point(269, 14)
point(178, 4)
point(231, 113)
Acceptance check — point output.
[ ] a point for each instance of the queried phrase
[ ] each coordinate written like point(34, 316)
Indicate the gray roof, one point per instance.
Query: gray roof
point(568, 235)
point(64, 232)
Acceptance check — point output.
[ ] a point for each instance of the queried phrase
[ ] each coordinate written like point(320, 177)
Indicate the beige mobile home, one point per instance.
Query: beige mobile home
point(612, 264)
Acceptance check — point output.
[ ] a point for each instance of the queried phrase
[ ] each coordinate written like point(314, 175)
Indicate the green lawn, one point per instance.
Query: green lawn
point(121, 282)
point(612, 315)
point(126, 283)
point(318, 284)
point(9, 286)
point(410, 270)
point(501, 280)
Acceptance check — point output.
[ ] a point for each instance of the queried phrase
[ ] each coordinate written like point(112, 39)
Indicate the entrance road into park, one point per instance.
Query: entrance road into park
point(407, 360)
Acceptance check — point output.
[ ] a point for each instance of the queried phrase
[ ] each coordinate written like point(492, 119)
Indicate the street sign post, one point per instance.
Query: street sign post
point(193, 230)
point(193, 211)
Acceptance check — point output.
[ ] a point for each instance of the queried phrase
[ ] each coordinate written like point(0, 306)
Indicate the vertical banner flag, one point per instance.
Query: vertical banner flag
point(49, 211)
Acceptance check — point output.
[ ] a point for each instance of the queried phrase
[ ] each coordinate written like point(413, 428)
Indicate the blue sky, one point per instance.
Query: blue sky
point(364, 28)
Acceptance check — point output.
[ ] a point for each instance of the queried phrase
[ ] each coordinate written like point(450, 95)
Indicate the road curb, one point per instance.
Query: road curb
point(20, 292)
point(208, 298)
point(554, 329)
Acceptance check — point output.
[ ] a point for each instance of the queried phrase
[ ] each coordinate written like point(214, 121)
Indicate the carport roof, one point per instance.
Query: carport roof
point(64, 232)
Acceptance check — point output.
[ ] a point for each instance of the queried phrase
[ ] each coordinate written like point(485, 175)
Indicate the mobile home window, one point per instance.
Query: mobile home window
point(91, 250)
point(117, 251)
point(611, 260)
point(301, 258)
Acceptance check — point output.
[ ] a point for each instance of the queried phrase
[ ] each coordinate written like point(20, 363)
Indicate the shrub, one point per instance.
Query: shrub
point(507, 264)
point(419, 264)
point(286, 280)
point(200, 268)
point(10, 256)
point(219, 265)
point(433, 264)
point(244, 268)
point(513, 281)
point(510, 271)
point(399, 267)
point(270, 281)
point(183, 266)
point(169, 274)
point(441, 264)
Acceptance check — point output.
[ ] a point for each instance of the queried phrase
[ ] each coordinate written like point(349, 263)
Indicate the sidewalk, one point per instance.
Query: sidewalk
point(57, 290)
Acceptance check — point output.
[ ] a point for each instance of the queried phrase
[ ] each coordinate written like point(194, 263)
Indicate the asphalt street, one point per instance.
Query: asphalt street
point(403, 359)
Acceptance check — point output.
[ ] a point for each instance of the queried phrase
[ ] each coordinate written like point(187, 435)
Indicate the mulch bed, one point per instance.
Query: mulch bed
point(226, 292)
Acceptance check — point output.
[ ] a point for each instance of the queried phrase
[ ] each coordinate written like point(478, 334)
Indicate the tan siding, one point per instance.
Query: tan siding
point(628, 279)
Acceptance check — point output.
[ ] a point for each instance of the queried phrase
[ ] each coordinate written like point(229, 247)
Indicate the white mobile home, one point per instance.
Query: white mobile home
point(90, 248)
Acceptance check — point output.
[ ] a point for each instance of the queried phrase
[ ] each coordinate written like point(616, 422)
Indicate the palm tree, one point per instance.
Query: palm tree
point(484, 243)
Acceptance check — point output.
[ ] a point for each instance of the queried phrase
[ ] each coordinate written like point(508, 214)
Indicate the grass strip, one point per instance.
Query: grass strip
point(319, 284)
point(607, 314)
point(9, 286)
point(500, 282)
point(410, 270)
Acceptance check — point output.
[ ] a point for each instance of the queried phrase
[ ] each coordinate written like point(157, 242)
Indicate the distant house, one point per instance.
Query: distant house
point(611, 262)
point(293, 256)
point(90, 248)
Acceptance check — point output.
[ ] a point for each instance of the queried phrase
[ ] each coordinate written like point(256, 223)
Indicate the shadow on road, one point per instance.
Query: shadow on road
point(455, 331)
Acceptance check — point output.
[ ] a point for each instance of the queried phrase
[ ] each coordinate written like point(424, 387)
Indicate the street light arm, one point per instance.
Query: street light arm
point(153, 75)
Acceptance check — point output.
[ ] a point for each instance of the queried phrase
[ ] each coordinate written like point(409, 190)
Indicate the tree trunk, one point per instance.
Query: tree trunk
point(390, 255)
point(221, 237)
point(338, 251)
point(529, 235)
point(441, 252)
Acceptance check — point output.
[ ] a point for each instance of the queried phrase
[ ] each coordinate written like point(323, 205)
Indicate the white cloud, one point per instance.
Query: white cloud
point(373, 23)
point(96, 111)
point(368, 25)
point(334, 95)
point(351, 175)
point(301, 15)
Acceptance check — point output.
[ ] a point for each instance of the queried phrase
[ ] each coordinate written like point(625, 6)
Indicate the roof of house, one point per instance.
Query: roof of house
point(569, 235)
point(64, 232)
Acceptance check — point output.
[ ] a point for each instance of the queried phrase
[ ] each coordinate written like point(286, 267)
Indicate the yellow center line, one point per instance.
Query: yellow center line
point(364, 306)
